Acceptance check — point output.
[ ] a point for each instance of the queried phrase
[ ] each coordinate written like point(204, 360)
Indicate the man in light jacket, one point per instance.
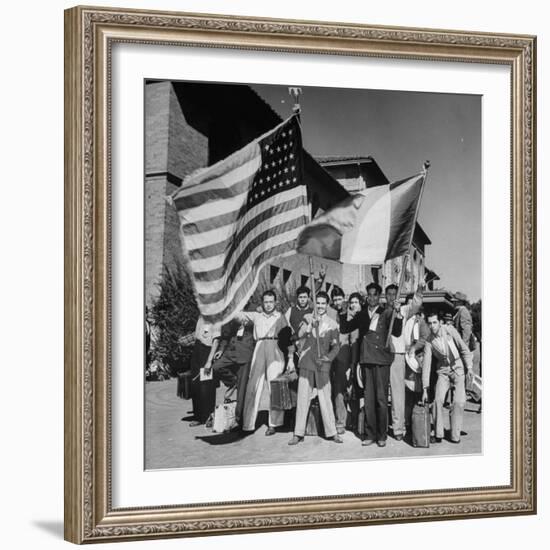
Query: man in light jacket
point(454, 363)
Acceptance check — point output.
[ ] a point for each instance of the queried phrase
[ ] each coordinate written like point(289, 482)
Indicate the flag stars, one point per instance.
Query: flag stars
point(294, 180)
point(293, 167)
point(268, 178)
point(286, 170)
point(291, 156)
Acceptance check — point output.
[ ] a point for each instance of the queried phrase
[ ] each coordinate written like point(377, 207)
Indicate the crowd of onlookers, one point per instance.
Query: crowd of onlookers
point(367, 360)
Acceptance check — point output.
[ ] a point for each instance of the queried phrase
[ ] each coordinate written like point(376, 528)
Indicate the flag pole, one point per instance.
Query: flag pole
point(295, 93)
point(406, 258)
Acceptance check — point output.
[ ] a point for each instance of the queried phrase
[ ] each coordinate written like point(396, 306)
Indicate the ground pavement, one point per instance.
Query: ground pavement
point(171, 443)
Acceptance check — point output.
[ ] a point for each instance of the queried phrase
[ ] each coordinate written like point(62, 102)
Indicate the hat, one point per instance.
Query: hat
point(359, 375)
point(460, 296)
point(448, 317)
point(412, 362)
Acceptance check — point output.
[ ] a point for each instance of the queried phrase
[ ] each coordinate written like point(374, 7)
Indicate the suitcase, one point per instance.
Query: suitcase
point(283, 392)
point(224, 416)
point(361, 422)
point(314, 424)
point(184, 385)
point(421, 425)
point(474, 387)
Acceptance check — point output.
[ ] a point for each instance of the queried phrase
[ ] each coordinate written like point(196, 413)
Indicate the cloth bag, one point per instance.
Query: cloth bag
point(224, 416)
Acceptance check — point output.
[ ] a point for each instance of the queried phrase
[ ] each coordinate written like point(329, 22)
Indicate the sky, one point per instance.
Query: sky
point(401, 130)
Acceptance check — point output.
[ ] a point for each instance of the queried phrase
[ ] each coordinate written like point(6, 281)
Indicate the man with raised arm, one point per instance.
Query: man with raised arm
point(375, 358)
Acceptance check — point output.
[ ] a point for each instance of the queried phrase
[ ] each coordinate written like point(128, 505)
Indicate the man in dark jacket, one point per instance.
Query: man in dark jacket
point(232, 360)
point(375, 358)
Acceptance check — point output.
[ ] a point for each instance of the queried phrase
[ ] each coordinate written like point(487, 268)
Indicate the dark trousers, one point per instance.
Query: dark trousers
point(339, 383)
point(376, 379)
point(203, 394)
point(231, 373)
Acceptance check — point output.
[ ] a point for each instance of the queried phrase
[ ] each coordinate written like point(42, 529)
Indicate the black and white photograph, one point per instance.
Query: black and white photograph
point(312, 274)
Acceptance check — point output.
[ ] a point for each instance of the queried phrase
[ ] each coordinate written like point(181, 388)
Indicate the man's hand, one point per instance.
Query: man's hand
point(425, 395)
point(315, 322)
point(207, 368)
point(218, 354)
point(320, 361)
point(397, 306)
point(469, 377)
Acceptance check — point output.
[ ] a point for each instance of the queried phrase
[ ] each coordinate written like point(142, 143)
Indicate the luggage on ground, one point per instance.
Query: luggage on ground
point(314, 424)
point(283, 392)
point(421, 425)
point(224, 417)
point(184, 385)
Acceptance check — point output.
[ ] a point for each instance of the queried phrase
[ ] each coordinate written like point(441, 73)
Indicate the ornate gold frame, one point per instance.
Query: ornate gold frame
point(89, 35)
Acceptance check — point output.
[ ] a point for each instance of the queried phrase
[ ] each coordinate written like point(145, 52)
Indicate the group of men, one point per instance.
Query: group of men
point(341, 351)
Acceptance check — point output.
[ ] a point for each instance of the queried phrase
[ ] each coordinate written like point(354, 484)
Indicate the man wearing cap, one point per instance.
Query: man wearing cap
point(463, 318)
point(397, 369)
point(448, 319)
point(454, 364)
point(375, 358)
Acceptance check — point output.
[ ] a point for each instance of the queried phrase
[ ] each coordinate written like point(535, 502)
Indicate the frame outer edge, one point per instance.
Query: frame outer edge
point(88, 517)
point(73, 372)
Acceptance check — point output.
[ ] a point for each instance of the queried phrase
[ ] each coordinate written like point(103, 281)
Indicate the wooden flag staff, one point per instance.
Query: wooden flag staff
point(407, 255)
point(295, 93)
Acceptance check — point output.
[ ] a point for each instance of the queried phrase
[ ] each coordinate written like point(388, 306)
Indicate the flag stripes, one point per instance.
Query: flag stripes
point(240, 213)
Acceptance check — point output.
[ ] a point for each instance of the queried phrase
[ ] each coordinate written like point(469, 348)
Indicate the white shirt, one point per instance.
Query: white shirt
point(266, 325)
point(398, 343)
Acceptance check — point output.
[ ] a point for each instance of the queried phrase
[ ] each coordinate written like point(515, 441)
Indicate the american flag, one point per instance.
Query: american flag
point(238, 214)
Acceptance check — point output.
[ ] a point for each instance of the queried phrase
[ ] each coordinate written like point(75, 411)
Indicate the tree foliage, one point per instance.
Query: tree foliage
point(174, 314)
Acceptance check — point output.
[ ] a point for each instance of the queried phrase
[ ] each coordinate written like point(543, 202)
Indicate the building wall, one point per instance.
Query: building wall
point(391, 271)
point(173, 149)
